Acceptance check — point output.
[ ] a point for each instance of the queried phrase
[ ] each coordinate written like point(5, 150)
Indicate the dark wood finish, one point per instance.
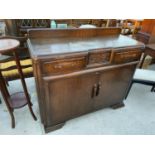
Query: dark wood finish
point(68, 83)
point(52, 128)
point(81, 70)
point(19, 99)
point(113, 84)
point(61, 66)
point(99, 56)
point(126, 55)
point(75, 33)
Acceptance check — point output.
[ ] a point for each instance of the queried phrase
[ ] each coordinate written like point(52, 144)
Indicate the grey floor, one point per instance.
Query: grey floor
point(137, 117)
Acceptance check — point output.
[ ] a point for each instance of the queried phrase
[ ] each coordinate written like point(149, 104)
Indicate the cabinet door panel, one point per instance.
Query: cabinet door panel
point(68, 97)
point(113, 85)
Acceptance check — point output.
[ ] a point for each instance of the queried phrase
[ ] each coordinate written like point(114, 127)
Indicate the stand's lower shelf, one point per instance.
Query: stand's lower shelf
point(18, 100)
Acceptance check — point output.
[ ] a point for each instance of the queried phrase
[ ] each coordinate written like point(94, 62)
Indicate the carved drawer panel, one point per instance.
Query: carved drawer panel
point(64, 66)
point(99, 56)
point(124, 56)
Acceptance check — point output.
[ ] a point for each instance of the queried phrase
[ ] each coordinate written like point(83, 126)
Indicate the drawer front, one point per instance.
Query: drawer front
point(124, 56)
point(64, 66)
point(99, 57)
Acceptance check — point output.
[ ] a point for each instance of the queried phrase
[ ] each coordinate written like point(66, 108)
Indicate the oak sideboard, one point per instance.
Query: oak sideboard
point(78, 71)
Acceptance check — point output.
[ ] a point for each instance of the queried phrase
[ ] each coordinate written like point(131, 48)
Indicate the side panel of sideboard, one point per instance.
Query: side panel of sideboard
point(39, 88)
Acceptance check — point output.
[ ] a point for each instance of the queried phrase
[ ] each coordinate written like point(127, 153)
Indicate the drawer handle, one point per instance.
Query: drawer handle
point(98, 88)
point(94, 90)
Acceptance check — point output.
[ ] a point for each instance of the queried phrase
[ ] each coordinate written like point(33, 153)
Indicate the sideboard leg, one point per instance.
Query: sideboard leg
point(118, 105)
point(54, 127)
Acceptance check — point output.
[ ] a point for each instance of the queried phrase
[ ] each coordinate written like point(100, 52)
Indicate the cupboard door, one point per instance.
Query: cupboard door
point(68, 96)
point(112, 85)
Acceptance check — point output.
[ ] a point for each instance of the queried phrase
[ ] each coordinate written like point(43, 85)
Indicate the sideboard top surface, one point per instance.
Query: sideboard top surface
point(42, 46)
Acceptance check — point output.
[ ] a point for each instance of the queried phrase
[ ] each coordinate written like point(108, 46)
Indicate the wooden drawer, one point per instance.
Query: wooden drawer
point(64, 65)
point(124, 56)
point(99, 56)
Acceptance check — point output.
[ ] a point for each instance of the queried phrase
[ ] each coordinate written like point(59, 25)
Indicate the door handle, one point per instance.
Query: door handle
point(98, 89)
point(94, 90)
